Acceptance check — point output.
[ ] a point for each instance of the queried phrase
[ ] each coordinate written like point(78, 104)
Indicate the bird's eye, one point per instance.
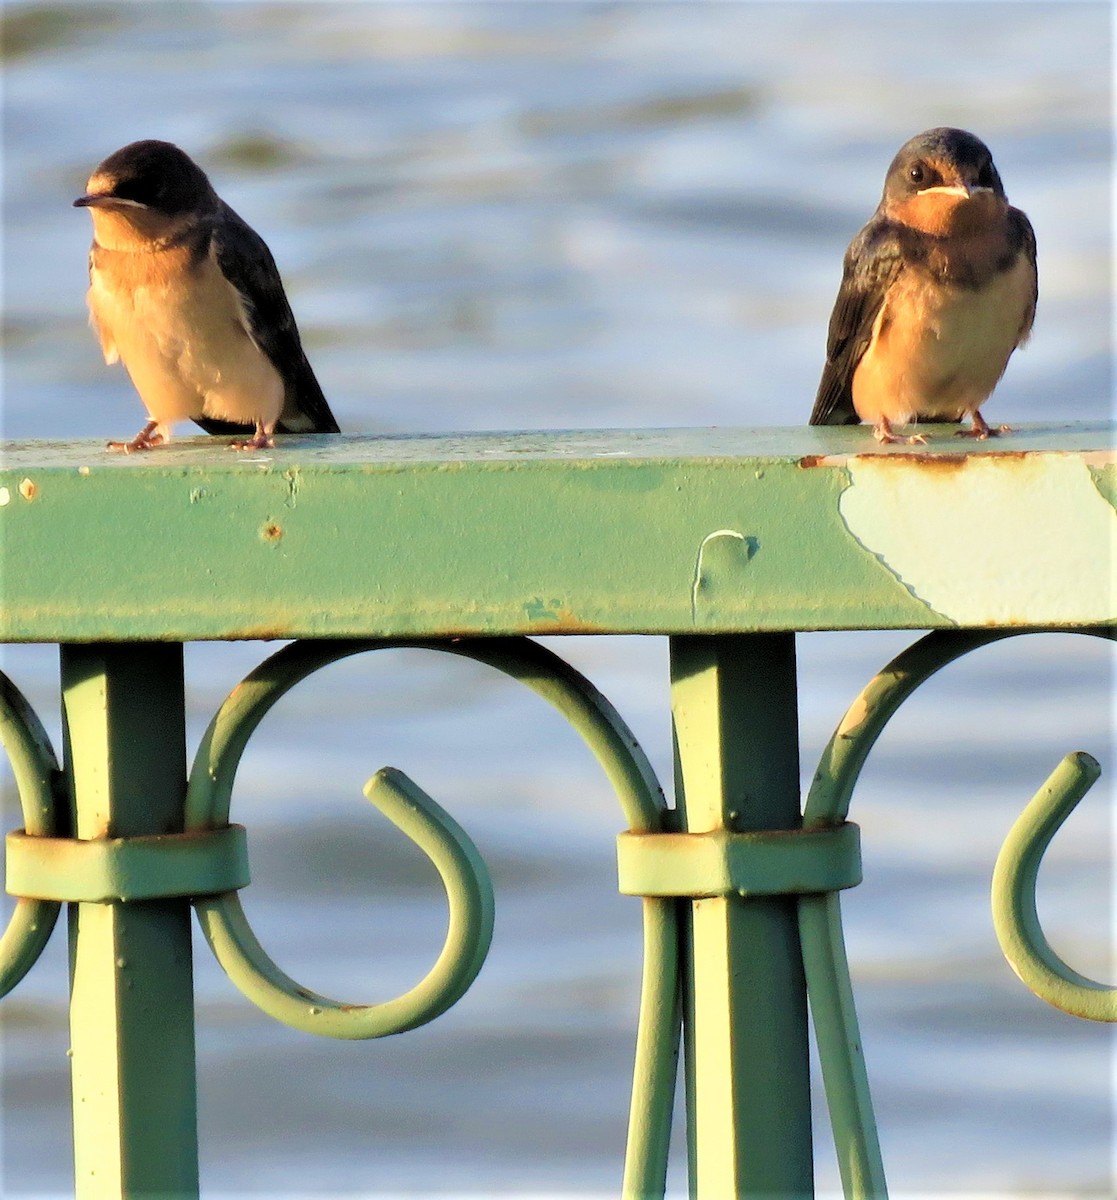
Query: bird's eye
point(985, 175)
point(918, 173)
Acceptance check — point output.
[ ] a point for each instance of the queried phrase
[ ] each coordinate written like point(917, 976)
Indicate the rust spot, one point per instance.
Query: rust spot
point(1019, 454)
point(571, 625)
point(563, 620)
point(940, 461)
point(268, 633)
point(271, 532)
point(912, 462)
point(822, 460)
point(28, 489)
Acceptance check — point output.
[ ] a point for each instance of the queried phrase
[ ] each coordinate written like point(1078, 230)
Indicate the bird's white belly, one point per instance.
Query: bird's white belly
point(938, 352)
point(183, 338)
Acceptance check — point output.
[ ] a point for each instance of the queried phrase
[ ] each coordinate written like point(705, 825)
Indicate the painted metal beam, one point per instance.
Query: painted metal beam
point(668, 532)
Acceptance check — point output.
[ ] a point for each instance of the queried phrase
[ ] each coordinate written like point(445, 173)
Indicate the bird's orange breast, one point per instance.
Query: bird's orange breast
point(181, 330)
point(937, 350)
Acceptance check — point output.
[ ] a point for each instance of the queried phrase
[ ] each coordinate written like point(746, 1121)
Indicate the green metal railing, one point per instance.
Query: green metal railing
point(727, 542)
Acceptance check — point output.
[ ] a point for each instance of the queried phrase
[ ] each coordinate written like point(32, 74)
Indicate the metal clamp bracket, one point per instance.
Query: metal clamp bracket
point(725, 863)
point(108, 870)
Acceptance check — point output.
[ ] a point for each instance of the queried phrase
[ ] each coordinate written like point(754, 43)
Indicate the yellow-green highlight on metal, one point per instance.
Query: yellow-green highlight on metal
point(38, 786)
point(106, 870)
point(723, 862)
point(1014, 896)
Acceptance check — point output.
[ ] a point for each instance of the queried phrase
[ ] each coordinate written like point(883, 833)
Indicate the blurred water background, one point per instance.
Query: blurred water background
point(563, 215)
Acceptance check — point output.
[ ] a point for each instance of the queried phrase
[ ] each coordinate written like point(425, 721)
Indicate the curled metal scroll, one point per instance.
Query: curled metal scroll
point(827, 970)
point(1014, 896)
point(641, 798)
point(35, 768)
point(469, 894)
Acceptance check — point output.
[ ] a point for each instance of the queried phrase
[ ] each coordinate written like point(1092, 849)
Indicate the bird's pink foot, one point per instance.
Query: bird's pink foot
point(980, 430)
point(146, 439)
point(260, 440)
point(882, 431)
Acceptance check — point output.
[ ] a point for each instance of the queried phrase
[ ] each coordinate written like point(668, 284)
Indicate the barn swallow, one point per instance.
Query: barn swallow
point(938, 290)
point(188, 297)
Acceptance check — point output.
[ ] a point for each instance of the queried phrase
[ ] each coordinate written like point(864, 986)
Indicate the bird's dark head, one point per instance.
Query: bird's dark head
point(149, 176)
point(941, 181)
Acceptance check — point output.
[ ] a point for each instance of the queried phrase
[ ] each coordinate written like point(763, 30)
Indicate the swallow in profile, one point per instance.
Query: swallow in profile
point(938, 289)
point(188, 298)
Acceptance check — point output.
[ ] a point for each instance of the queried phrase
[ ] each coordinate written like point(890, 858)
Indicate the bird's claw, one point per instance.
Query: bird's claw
point(259, 441)
point(146, 439)
point(883, 434)
point(980, 430)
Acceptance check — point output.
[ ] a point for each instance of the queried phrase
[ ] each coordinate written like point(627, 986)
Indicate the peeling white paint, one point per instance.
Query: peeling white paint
point(700, 564)
point(996, 538)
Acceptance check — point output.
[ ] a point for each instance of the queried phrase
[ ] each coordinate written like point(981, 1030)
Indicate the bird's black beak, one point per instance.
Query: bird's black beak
point(105, 200)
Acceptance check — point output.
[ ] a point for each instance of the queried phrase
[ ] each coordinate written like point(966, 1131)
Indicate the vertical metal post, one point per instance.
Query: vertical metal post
point(131, 981)
point(748, 1085)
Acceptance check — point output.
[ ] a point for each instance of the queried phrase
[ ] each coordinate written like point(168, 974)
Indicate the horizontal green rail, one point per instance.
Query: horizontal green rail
point(462, 545)
point(672, 531)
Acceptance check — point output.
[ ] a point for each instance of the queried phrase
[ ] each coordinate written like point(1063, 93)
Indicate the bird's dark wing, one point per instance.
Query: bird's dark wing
point(1024, 236)
point(246, 261)
point(872, 263)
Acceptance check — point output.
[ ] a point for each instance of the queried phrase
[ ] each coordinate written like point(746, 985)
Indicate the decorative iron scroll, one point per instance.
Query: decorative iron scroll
point(463, 873)
point(1014, 896)
point(37, 779)
point(820, 926)
point(824, 857)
